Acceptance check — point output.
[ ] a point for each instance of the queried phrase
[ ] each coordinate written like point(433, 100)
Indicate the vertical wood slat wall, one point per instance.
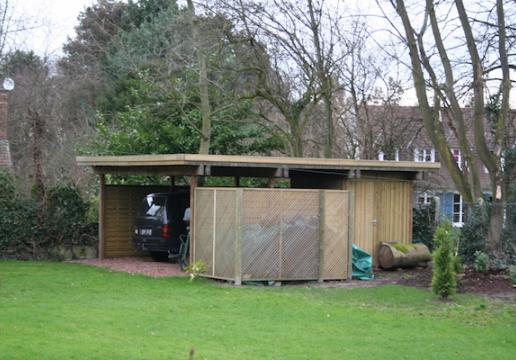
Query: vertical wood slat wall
point(383, 213)
point(120, 204)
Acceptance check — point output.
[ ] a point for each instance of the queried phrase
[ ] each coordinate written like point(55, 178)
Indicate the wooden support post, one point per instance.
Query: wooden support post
point(193, 185)
point(270, 182)
point(351, 229)
point(102, 215)
point(322, 237)
point(172, 182)
point(214, 232)
point(237, 181)
point(280, 251)
point(239, 194)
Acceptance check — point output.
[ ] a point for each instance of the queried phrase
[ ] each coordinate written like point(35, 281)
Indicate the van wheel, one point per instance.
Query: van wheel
point(159, 256)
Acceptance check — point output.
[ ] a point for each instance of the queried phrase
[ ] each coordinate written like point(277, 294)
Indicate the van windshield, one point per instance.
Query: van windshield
point(152, 206)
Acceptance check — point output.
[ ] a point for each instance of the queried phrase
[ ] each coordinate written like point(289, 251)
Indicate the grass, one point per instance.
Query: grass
point(69, 311)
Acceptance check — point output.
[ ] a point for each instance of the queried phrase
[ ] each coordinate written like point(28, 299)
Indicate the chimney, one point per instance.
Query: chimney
point(5, 153)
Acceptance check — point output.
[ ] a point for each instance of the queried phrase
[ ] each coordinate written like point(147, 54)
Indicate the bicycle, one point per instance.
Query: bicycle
point(183, 250)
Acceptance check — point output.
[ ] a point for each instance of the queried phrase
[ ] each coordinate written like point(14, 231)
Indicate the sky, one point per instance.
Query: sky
point(52, 21)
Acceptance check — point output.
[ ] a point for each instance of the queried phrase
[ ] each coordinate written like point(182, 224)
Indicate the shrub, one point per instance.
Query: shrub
point(7, 186)
point(481, 263)
point(444, 282)
point(457, 265)
point(195, 269)
point(474, 232)
point(68, 214)
point(423, 224)
point(512, 273)
point(30, 229)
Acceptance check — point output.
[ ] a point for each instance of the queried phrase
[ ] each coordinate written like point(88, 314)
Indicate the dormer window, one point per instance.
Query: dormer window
point(382, 157)
point(424, 155)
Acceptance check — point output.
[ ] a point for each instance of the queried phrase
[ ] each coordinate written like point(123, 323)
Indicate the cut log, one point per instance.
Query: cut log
point(396, 255)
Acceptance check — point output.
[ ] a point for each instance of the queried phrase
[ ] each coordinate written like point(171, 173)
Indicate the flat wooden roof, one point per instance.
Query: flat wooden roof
point(195, 164)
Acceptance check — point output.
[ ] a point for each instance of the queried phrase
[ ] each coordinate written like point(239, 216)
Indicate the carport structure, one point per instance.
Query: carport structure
point(380, 202)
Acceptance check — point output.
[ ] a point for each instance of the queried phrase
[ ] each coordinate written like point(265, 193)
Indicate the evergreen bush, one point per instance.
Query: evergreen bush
point(474, 232)
point(29, 229)
point(423, 224)
point(481, 263)
point(444, 282)
point(512, 273)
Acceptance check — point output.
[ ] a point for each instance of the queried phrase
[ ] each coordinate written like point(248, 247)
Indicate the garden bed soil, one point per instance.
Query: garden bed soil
point(493, 284)
point(136, 265)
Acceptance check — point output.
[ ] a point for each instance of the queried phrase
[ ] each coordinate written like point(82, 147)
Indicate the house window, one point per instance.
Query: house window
point(424, 155)
point(457, 157)
point(424, 199)
point(381, 156)
point(458, 211)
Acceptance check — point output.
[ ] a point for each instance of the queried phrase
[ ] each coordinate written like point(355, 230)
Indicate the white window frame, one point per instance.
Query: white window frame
point(457, 156)
point(424, 155)
point(460, 213)
point(427, 198)
point(381, 155)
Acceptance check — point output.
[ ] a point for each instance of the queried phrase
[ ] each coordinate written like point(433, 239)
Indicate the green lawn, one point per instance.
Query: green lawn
point(68, 311)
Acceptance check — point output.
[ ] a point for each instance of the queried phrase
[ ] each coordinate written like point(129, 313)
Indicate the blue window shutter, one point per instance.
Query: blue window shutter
point(446, 205)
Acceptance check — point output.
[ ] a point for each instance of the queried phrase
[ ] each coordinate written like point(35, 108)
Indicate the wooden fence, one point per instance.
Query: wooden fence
point(272, 234)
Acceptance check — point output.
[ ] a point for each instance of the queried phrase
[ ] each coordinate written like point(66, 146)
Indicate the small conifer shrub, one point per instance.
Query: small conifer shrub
point(444, 282)
point(481, 263)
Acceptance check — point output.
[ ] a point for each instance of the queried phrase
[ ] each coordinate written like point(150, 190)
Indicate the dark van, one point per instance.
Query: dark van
point(159, 223)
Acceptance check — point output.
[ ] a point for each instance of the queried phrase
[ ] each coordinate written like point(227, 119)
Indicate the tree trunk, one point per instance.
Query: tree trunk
point(297, 143)
point(393, 256)
point(328, 144)
point(38, 127)
point(494, 232)
point(204, 147)
point(324, 82)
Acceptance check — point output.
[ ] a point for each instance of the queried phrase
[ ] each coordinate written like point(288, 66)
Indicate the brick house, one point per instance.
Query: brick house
point(399, 135)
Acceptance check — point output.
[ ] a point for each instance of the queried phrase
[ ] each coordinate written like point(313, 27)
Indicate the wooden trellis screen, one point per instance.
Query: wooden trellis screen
point(272, 234)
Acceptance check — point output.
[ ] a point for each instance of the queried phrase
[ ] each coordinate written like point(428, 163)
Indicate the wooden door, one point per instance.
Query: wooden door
point(383, 213)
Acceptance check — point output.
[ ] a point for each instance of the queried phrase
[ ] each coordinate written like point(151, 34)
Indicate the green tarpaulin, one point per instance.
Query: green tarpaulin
point(362, 264)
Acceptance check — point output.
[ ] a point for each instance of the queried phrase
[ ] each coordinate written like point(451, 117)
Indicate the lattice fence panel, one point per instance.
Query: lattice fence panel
point(204, 228)
point(275, 234)
point(225, 236)
point(335, 246)
point(300, 234)
point(260, 245)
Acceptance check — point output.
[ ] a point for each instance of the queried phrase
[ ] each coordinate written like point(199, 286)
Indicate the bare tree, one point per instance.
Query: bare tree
point(43, 134)
point(11, 25)
point(297, 56)
point(432, 58)
point(204, 147)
